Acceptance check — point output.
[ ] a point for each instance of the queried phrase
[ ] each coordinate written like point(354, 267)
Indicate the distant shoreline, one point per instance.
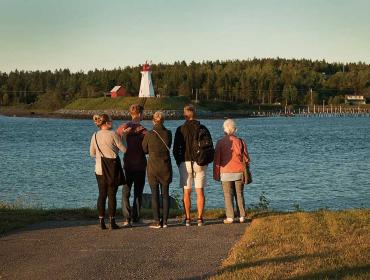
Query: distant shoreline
point(123, 114)
point(173, 114)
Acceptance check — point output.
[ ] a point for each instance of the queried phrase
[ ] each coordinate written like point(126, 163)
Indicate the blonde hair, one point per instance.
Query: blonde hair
point(189, 111)
point(229, 126)
point(158, 117)
point(99, 120)
point(136, 109)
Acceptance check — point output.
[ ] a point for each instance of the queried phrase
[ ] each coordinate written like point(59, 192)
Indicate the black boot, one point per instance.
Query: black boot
point(102, 223)
point(113, 224)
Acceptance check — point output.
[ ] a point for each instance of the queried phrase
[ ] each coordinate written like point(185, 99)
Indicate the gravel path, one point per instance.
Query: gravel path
point(80, 250)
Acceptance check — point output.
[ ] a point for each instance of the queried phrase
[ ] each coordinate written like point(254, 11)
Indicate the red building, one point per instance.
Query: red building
point(117, 91)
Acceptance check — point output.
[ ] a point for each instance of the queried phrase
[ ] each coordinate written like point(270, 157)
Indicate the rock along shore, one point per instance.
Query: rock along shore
point(124, 114)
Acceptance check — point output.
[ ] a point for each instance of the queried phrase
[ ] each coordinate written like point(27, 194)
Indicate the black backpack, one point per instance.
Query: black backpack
point(203, 150)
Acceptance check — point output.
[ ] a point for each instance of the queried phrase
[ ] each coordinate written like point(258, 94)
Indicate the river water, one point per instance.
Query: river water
point(312, 162)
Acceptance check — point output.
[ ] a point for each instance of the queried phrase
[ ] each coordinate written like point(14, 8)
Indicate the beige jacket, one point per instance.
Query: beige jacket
point(109, 143)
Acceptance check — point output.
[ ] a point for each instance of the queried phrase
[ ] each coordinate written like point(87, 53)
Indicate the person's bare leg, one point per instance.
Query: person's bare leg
point(200, 202)
point(187, 203)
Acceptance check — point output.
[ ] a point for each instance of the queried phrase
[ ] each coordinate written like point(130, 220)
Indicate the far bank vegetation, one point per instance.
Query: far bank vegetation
point(249, 82)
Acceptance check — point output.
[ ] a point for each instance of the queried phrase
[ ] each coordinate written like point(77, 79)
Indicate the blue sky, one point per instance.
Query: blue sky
point(88, 34)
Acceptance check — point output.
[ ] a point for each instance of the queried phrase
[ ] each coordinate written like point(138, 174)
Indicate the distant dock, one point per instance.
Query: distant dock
point(313, 111)
point(317, 111)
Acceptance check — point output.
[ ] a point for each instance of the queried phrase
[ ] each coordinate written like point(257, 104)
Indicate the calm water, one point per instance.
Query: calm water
point(312, 162)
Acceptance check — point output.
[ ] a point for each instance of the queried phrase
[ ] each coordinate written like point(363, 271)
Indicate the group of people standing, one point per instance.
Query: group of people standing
point(193, 151)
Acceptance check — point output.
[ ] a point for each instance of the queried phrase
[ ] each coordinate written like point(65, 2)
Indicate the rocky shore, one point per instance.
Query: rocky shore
point(124, 114)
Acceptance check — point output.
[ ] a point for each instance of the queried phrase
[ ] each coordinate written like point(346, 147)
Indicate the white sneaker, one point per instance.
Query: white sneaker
point(200, 222)
point(241, 220)
point(228, 221)
point(126, 224)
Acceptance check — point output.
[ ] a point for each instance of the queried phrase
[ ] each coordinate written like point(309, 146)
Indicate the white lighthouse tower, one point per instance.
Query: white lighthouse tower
point(146, 85)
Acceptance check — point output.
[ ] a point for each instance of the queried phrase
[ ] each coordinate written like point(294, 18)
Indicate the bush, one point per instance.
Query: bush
point(50, 101)
point(5, 100)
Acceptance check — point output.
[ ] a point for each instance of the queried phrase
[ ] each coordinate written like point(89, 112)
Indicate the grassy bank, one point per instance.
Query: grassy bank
point(24, 110)
point(123, 103)
point(164, 103)
point(303, 245)
point(15, 217)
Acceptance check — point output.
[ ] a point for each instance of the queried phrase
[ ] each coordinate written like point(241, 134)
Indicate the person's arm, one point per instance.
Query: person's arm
point(178, 146)
point(246, 154)
point(216, 162)
point(144, 144)
point(123, 130)
point(117, 140)
point(92, 146)
point(122, 133)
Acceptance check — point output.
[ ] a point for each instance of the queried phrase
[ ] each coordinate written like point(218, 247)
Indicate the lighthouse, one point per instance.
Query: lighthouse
point(146, 85)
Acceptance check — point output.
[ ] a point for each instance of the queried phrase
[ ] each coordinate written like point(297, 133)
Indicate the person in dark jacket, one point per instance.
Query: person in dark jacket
point(157, 143)
point(189, 170)
point(134, 164)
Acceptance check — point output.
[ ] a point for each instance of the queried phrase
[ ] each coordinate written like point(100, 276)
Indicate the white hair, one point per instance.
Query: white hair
point(229, 126)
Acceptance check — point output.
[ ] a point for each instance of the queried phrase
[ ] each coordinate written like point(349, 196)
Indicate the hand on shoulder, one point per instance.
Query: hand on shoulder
point(126, 130)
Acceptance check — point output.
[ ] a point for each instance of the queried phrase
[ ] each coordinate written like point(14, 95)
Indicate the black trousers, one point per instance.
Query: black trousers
point(137, 179)
point(164, 197)
point(106, 190)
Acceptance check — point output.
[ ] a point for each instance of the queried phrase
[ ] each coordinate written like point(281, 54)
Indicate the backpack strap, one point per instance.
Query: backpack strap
point(197, 140)
point(162, 140)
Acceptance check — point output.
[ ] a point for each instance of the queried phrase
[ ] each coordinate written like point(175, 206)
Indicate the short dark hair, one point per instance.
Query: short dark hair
point(189, 111)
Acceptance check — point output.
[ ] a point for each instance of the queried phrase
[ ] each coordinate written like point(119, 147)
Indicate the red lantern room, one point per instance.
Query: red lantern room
point(146, 67)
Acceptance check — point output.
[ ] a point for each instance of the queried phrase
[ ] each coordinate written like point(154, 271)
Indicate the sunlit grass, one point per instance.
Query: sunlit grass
point(303, 245)
point(123, 103)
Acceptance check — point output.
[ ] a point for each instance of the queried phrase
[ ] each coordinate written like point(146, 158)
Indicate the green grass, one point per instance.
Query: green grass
point(14, 216)
point(123, 103)
point(302, 245)
point(22, 109)
point(164, 103)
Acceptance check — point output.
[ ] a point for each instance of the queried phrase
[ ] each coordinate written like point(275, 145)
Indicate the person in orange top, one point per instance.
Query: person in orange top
point(228, 168)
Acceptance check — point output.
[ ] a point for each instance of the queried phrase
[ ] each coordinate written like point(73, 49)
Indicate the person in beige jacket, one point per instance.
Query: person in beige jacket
point(106, 143)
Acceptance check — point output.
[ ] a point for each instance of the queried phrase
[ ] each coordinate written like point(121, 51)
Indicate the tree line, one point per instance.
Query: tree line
point(254, 81)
